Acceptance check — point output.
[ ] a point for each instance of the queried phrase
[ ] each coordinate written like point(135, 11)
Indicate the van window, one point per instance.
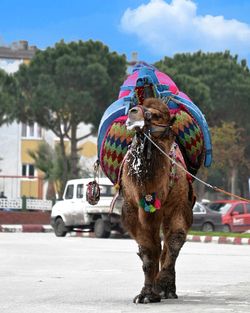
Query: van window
point(69, 192)
point(79, 191)
point(107, 190)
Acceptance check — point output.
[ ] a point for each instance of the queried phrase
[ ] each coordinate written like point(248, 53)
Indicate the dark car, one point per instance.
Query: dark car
point(205, 219)
point(235, 214)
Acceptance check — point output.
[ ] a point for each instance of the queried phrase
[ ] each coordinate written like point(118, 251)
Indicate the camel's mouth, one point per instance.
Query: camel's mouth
point(139, 124)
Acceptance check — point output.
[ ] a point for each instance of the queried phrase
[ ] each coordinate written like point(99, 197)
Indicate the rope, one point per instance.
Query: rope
point(195, 177)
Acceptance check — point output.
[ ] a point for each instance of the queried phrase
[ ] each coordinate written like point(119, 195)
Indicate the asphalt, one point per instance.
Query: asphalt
point(37, 228)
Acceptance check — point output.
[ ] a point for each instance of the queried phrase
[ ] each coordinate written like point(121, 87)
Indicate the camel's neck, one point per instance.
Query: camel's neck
point(146, 163)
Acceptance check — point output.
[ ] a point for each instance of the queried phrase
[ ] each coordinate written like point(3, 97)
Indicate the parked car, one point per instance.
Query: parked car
point(74, 211)
point(235, 214)
point(205, 219)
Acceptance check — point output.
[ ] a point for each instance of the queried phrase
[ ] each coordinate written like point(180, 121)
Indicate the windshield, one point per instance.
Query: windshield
point(223, 209)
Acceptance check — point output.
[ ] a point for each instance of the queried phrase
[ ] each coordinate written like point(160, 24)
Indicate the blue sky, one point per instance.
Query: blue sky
point(152, 28)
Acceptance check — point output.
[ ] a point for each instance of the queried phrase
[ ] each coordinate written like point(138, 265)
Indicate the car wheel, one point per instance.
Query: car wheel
point(60, 228)
point(207, 227)
point(226, 228)
point(102, 228)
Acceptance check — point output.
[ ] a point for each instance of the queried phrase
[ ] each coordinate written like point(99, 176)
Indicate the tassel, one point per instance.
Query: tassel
point(150, 203)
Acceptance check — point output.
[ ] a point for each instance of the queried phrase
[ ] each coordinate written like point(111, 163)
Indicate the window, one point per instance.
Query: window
point(28, 170)
point(198, 208)
point(24, 130)
point(32, 130)
point(31, 170)
point(69, 192)
point(107, 190)
point(39, 131)
point(248, 207)
point(79, 191)
point(239, 208)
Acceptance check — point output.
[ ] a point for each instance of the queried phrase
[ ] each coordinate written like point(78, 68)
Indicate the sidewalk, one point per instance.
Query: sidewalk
point(35, 228)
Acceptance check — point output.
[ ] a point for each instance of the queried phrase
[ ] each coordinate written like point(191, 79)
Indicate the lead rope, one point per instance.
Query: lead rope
point(97, 171)
point(195, 177)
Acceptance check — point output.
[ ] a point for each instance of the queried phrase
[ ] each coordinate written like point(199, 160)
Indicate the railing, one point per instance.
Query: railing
point(24, 203)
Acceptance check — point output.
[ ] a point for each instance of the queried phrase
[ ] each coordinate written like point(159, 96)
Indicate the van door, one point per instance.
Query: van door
point(68, 205)
point(79, 204)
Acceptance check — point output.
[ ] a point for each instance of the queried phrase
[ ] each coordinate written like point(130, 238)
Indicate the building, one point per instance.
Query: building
point(18, 177)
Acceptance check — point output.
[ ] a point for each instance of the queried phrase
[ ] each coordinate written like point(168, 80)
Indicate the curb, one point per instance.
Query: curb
point(219, 240)
point(26, 228)
point(35, 228)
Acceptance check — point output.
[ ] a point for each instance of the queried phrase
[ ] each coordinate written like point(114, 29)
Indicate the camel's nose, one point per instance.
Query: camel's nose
point(135, 118)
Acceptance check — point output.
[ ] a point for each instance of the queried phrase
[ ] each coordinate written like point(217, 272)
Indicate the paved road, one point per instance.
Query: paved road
point(40, 273)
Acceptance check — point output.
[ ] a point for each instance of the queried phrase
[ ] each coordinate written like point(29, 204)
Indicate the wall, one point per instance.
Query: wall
point(17, 218)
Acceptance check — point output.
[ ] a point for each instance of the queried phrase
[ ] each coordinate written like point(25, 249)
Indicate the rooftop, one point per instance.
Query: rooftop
point(19, 50)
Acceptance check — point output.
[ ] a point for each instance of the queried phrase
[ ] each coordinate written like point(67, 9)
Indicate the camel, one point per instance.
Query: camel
point(158, 199)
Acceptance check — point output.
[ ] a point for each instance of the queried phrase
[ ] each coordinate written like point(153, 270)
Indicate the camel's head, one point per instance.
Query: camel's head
point(152, 116)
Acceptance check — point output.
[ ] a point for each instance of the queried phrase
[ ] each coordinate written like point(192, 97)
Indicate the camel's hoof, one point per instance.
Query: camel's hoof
point(169, 295)
point(147, 298)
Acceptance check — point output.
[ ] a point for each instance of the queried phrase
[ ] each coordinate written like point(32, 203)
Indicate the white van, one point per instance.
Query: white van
point(74, 211)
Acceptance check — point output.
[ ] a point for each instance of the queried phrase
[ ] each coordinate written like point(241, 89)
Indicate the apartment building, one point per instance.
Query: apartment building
point(18, 177)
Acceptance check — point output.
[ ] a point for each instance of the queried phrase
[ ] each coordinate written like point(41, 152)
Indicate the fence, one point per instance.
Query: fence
point(25, 204)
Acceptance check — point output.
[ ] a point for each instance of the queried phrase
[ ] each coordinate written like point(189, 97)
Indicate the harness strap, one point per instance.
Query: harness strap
point(118, 184)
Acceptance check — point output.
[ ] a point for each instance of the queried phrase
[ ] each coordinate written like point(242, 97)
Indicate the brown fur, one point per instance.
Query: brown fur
point(174, 216)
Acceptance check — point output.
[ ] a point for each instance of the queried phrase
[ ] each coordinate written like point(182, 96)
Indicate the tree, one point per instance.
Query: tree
point(216, 82)
point(220, 85)
point(229, 152)
point(50, 162)
point(67, 85)
point(6, 97)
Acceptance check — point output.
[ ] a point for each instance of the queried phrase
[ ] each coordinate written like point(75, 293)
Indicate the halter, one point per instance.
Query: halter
point(153, 127)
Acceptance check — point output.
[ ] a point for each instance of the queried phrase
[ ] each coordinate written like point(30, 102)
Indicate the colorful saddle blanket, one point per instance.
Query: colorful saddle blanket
point(190, 127)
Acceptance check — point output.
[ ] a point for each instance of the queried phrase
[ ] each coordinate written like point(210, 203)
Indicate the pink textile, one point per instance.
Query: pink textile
point(164, 79)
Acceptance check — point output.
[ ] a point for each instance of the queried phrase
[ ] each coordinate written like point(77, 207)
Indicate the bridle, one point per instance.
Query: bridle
point(153, 127)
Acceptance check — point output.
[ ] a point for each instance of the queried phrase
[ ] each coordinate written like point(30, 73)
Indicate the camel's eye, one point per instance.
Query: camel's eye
point(156, 116)
point(148, 115)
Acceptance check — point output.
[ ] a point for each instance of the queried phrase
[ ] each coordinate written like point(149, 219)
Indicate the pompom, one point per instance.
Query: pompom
point(157, 204)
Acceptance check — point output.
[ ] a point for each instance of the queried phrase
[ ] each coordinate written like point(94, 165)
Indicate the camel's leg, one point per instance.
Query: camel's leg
point(148, 239)
point(174, 238)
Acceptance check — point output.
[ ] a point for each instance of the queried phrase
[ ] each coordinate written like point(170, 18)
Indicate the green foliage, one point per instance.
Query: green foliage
point(50, 162)
point(220, 85)
point(6, 97)
point(67, 85)
point(70, 83)
point(216, 82)
point(228, 145)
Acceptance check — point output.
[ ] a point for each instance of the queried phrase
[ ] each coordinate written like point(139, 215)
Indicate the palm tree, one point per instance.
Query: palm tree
point(50, 162)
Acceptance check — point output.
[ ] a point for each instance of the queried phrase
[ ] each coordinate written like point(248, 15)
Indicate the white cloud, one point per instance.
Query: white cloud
point(167, 28)
point(10, 66)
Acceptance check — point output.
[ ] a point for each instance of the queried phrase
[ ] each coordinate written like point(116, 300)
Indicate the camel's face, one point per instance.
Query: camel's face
point(136, 118)
point(153, 115)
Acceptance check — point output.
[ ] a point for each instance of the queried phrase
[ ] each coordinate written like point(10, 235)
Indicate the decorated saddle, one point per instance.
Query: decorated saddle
point(190, 127)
